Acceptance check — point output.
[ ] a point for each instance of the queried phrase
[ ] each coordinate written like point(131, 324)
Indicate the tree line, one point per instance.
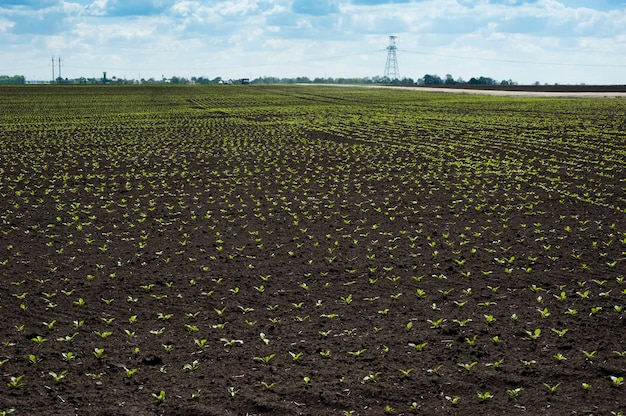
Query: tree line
point(15, 79)
point(449, 80)
point(427, 79)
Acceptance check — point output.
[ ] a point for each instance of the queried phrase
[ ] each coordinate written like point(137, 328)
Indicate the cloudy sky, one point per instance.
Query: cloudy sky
point(550, 41)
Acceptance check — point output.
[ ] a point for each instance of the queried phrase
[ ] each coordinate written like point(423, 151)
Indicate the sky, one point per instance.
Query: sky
point(527, 41)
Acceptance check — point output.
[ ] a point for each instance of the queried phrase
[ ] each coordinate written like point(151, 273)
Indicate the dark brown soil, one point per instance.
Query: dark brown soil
point(267, 239)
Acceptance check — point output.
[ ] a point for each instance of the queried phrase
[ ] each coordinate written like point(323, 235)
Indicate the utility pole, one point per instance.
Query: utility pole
point(391, 67)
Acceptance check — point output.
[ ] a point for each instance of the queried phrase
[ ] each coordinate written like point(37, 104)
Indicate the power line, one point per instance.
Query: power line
point(516, 61)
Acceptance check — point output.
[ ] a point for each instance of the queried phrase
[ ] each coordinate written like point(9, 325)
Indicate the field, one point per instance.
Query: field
point(248, 250)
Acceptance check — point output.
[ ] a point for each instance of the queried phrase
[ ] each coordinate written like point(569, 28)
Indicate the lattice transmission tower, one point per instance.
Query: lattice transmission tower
point(391, 67)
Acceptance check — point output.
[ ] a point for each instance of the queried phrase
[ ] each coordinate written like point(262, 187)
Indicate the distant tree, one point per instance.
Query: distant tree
point(430, 80)
point(482, 81)
point(15, 79)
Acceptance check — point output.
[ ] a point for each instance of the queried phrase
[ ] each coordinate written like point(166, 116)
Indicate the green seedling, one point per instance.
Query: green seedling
point(232, 392)
point(160, 397)
point(436, 324)
point(589, 354)
point(157, 331)
point(50, 324)
point(39, 340)
point(192, 366)
point(435, 370)
point(418, 347)
point(617, 381)
point(533, 335)
point(468, 366)
point(67, 338)
point(266, 359)
point(483, 396)
point(495, 364)
point(372, 377)
point(560, 332)
point(164, 317)
point(453, 400)
point(191, 328)
point(357, 354)
point(268, 386)
point(58, 377)
point(551, 389)
point(15, 382)
point(514, 393)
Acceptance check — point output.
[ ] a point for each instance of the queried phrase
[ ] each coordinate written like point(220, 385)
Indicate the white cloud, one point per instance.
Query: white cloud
point(342, 38)
point(6, 24)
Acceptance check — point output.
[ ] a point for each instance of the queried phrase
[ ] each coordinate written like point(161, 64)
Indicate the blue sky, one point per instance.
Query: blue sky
point(550, 41)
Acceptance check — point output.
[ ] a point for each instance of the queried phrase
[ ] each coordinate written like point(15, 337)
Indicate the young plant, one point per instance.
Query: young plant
point(372, 377)
point(39, 339)
point(418, 347)
point(514, 393)
point(468, 366)
point(266, 359)
point(160, 397)
point(15, 382)
point(406, 372)
point(484, 396)
point(617, 381)
point(436, 324)
point(435, 370)
point(192, 366)
point(533, 335)
point(268, 386)
point(232, 392)
point(58, 377)
point(552, 389)
point(453, 400)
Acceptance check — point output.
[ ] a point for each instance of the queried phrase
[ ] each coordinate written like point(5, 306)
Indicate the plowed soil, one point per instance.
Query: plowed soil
point(217, 249)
